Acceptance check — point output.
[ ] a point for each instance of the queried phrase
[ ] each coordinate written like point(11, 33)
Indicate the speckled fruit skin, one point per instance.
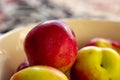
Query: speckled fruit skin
point(51, 43)
point(39, 73)
point(94, 63)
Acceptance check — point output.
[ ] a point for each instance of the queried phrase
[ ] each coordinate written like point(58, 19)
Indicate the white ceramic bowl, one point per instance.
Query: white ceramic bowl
point(12, 50)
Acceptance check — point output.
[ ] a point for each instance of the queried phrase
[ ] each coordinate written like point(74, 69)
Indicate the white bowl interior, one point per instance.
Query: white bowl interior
point(12, 50)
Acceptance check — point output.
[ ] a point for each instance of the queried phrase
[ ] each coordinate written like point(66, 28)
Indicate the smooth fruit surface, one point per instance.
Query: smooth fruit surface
point(104, 42)
point(95, 63)
point(23, 65)
point(51, 43)
point(39, 73)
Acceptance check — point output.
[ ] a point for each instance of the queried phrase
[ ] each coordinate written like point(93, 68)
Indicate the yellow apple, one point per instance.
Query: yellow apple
point(94, 63)
point(39, 73)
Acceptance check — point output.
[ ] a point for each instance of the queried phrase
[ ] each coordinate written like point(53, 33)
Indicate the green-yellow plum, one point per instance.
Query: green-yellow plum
point(39, 73)
point(94, 63)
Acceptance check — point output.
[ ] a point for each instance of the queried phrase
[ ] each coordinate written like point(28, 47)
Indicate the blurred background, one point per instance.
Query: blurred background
point(14, 13)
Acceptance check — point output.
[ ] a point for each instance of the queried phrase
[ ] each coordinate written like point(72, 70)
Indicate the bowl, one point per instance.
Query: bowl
point(12, 50)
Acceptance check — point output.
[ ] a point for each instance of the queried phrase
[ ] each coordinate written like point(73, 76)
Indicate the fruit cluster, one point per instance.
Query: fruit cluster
point(52, 54)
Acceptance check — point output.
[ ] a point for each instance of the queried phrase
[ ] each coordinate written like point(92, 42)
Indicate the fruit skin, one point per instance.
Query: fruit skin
point(23, 65)
point(39, 73)
point(104, 42)
point(94, 63)
point(51, 43)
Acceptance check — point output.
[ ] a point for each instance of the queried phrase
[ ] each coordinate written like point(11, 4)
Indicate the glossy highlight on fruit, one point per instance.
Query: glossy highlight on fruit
point(95, 63)
point(51, 43)
point(39, 73)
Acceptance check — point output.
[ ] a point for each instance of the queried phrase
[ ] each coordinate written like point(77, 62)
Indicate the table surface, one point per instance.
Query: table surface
point(19, 12)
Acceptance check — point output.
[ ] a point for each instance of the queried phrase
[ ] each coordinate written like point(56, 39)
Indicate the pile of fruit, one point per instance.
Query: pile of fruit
point(52, 54)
